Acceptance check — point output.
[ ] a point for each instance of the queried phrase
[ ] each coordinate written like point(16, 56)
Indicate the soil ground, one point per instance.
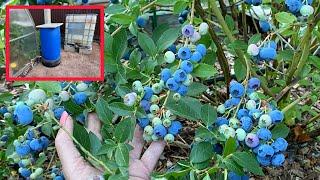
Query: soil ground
point(72, 65)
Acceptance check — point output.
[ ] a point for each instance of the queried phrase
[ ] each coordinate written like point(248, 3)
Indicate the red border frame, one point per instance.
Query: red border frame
point(7, 43)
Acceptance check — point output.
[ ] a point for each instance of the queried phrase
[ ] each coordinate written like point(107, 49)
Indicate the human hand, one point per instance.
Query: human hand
point(74, 166)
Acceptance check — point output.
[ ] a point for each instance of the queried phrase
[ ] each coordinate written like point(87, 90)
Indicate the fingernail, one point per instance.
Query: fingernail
point(64, 118)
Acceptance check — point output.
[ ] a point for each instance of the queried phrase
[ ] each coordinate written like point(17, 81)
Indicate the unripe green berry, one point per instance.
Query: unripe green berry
point(16, 159)
point(150, 116)
point(38, 171)
point(33, 175)
point(136, 86)
point(169, 57)
point(154, 99)
point(147, 138)
point(56, 127)
point(50, 103)
point(234, 123)
point(241, 134)
point(82, 87)
point(64, 96)
point(170, 115)
point(169, 138)
point(251, 104)
point(30, 102)
point(148, 130)
point(222, 128)
point(264, 121)
point(156, 88)
point(154, 109)
point(11, 108)
point(254, 96)
point(161, 82)
point(176, 96)
point(37, 95)
point(188, 81)
point(166, 122)
point(7, 115)
point(16, 142)
point(229, 132)
point(306, 10)
point(156, 121)
point(21, 139)
point(26, 162)
point(221, 109)
point(154, 137)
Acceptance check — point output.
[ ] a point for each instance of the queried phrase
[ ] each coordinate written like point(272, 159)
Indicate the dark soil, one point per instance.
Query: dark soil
point(72, 65)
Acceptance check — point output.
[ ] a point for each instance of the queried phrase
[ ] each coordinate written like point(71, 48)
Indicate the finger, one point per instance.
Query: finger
point(94, 124)
point(69, 155)
point(151, 156)
point(137, 143)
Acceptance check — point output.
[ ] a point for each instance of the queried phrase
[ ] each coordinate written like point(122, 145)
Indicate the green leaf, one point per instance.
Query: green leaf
point(248, 162)
point(159, 30)
point(201, 152)
point(285, 17)
point(115, 8)
point(254, 39)
point(147, 44)
point(119, 45)
point(124, 130)
point(186, 107)
point(239, 70)
point(120, 109)
point(123, 19)
point(238, 44)
point(73, 108)
point(204, 70)
point(208, 114)
point(105, 115)
point(49, 86)
point(168, 38)
point(6, 96)
point(230, 22)
point(166, 2)
point(135, 58)
point(95, 143)
point(280, 130)
point(47, 129)
point(122, 155)
point(107, 148)
point(179, 6)
point(196, 89)
point(81, 135)
point(231, 165)
point(229, 147)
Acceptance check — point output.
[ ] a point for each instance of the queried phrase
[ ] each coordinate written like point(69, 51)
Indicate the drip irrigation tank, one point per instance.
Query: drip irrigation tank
point(23, 40)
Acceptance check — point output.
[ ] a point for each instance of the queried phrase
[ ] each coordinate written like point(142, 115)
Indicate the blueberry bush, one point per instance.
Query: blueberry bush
point(228, 85)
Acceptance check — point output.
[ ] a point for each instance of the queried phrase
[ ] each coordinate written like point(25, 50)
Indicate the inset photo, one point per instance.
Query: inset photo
point(54, 43)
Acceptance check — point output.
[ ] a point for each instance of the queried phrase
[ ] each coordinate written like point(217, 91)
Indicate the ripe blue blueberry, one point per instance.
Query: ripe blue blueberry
point(221, 120)
point(44, 142)
point(182, 90)
point(196, 57)
point(159, 130)
point(148, 92)
point(276, 116)
point(294, 6)
point(277, 160)
point(236, 89)
point(254, 83)
point(271, 44)
point(279, 145)
point(22, 149)
point(264, 161)
point(80, 98)
point(175, 127)
point(218, 148)
point(256, 2)
point(184, 53)
point(35, 145)
point(264, 134)
point(235, 101)
point(265, 150)
point(252, 140)
point(4, 138)
point(246, 123)
point(25, 172)
point(143, 122)
point(233, 176)
point(187, 66)
point(187, 30)
point(181, 20)
point(228, 104)
point(141, 21)
point(255, 113)
point(58, 112)
point(145, 104)
point(3, 110)
point(180, 75)
point(172, 48)
point(242, 112)
point(268, 53)
point(172, 85)
point(201, 48)
point(184, 13)
point(265, 26)
point(23, 114)
point(165, 74)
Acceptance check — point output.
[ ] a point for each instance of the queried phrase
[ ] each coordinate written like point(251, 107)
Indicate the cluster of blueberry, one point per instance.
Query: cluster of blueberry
point(300, 6)
point(27, 149)
point(253, 2)
point(33, 143)
point(160, 123)
point(267, 52)
point(248, 119)
point(56, 174)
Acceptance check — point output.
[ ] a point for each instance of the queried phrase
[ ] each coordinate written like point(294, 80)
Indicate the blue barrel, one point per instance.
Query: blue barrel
point(50, 41)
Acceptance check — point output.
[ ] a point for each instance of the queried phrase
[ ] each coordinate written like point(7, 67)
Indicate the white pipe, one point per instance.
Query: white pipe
point(47, 16)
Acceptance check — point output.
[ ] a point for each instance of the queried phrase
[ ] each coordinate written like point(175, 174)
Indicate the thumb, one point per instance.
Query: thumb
point(72, 162)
